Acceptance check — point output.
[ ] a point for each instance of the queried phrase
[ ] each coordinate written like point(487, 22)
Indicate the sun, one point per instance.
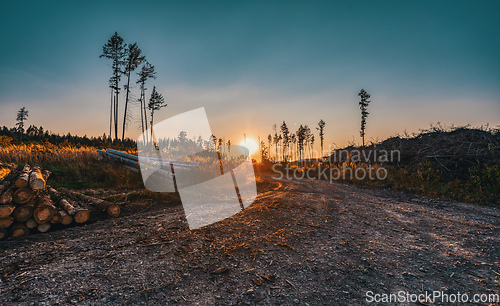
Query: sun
point(250, 144)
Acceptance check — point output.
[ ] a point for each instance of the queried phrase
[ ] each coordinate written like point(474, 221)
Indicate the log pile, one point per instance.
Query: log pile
point(29, 205)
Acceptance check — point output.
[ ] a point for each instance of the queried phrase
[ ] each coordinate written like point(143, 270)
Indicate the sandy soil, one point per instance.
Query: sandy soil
point(301, 242)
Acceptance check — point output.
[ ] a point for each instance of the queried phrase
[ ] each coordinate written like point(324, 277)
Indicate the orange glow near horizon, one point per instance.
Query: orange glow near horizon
point(250, 144)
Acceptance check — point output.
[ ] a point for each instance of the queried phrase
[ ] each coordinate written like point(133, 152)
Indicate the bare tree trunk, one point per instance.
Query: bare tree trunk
point(111, 115)
point(142, 114)
point(117, 93)
point(145, 112)
point(152, 114)
point(126, 105)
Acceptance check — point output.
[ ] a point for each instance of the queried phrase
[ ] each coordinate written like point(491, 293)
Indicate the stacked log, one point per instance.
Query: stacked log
point(28, 204)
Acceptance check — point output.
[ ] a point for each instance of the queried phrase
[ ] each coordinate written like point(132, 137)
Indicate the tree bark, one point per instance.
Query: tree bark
point(112, 209)
point(44, 211)
point(19, 230)
point(4, 186)
point(70, 209)
point(65, 218)
point(36, 179)
point(6, 222)
point(23, 196)
point(6, 197)
point(6, 210)
point(23, 179)
point(126, 105)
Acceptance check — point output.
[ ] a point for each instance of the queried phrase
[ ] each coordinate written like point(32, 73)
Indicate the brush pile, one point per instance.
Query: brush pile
point(28, 204)
point(453, 150)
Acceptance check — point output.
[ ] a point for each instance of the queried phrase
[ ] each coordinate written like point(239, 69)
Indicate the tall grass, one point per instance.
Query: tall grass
point(72, 167)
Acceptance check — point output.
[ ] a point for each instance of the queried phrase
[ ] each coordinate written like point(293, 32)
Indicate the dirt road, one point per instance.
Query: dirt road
point(301, 242)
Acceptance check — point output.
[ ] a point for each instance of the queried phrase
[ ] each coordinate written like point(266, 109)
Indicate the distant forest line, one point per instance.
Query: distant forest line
point(34, 134)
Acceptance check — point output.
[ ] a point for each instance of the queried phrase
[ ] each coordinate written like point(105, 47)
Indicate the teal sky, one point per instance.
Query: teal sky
point(254, 64)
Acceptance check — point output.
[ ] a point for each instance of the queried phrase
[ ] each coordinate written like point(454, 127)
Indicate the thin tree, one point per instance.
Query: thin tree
point(321, 129)
point(293, 151)
point(22, 115)
point(269, 141)
point(112, 93)
point(114, 50)
point(286, 139)
point(133, 59)
point(363, 106)
point(147, 72)
point(275, 141)
point(300, 142)
point(307, 138)
point(156, 102)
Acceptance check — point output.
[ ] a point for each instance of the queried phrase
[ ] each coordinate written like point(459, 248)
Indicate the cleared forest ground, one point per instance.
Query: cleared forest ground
point(300, 242)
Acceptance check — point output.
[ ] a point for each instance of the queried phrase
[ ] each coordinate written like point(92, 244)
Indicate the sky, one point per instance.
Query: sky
point(256, 63)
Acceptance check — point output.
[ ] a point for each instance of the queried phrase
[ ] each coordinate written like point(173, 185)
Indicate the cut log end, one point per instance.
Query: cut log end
point(82, 216)
point(65, 218)
point(23, 196)
point(19, 230)
point(45, 210)
point(23, 213)
point(31, 223)
point(6, 222)
point(43, 228)
point(56, 218)
point(113, 210)
point(6, 210)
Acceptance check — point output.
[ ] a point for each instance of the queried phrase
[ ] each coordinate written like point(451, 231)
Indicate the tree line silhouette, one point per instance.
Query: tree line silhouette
point(299, 145)
point(34, 134)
